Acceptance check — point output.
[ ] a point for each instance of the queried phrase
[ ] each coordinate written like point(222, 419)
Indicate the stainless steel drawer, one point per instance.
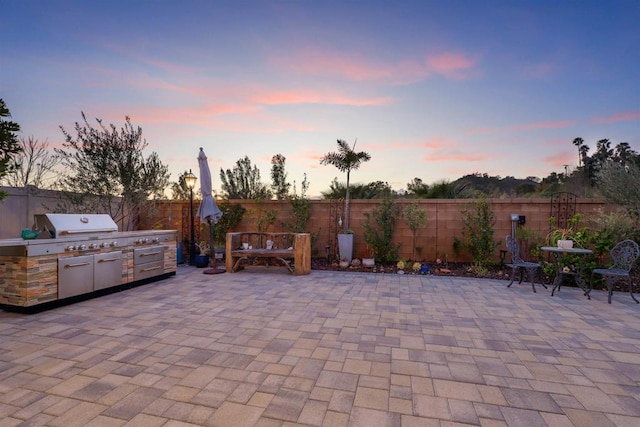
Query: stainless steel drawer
point(150, 254)
point(148, 269)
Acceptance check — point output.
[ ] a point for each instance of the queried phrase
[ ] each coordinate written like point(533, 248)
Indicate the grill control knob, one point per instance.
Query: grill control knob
point(104, 245)
point(93, 246)
point(114, 243)
point(70, 248)
point(82, 247)
point(156, 240)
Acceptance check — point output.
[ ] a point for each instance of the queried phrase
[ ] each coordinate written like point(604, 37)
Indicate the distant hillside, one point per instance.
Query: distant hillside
point(495, 186)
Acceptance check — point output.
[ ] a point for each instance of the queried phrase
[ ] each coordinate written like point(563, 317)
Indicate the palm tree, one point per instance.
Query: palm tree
point(623, 153)
point(578, 142)
point(346, 159)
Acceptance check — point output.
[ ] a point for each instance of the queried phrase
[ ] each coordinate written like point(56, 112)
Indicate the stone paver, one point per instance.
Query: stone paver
point(263, 348)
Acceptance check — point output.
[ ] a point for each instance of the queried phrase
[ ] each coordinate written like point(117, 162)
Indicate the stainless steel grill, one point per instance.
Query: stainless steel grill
point(58, 225)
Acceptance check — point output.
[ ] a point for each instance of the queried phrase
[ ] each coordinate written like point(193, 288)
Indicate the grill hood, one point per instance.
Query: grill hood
point(59, 225)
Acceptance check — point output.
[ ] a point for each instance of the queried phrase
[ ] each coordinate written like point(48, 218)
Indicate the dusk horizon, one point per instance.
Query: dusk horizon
point(432, 90)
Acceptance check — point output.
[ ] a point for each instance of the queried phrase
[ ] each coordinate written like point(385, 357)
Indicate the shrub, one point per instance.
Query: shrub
point(378, 231)
point(477, 234)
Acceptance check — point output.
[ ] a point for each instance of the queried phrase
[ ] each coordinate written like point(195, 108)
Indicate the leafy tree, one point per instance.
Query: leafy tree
point(372, 190)
point(107, 172)
point(9, 146)
point(34, 165)
point(445, 189)
point(346, 159)
point(243, 182)
point(415, 218)
point(279, 185)
point(301, 209)
point(623, 154)
point(620, 184)
point(180, 191)
point(379, 226)
point(418, 189)
point(477, 234)
point(231, 216)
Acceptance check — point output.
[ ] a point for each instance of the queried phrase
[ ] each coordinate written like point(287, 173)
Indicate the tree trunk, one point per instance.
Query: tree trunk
point(346, 206)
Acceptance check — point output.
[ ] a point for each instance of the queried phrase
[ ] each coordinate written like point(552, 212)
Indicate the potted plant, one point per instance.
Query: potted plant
point(203, 254)
point(370, 261)
point(345, 245)
point(345, 159)
point(568, 236)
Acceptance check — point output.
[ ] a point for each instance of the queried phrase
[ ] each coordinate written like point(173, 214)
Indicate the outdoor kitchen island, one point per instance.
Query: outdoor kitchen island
point(78, 257)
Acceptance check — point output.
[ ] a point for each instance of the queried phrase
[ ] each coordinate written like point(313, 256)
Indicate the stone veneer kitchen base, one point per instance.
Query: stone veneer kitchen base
point(29, 284)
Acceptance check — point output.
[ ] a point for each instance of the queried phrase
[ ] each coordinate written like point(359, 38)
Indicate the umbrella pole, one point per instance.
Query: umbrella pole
point(214, 260)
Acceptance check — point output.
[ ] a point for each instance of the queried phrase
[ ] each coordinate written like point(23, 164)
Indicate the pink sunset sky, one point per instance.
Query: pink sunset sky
point(431, 89)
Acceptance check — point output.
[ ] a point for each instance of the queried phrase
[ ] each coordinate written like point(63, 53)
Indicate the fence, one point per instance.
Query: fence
point(435, 239)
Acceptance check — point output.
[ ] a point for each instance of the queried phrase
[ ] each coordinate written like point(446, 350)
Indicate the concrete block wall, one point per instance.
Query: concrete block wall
point(445, 221)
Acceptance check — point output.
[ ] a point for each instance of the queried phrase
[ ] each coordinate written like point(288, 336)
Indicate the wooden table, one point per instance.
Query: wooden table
point(559, 254)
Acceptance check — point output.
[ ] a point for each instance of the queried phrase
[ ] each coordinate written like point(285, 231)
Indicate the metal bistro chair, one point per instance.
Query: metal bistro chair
point(518, 263)
point(624, 256)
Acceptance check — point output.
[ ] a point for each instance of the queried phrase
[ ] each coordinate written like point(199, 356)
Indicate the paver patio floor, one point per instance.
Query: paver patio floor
point(264, 348)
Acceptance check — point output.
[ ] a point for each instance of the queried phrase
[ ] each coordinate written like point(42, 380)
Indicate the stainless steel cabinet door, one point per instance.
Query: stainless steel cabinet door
point(75, 276)
point(107, 270)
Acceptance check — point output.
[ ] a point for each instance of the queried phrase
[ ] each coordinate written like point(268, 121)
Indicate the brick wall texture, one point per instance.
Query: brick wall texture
point(436, 238)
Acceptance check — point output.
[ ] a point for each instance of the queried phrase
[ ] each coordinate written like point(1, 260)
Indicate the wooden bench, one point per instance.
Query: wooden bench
point(286, 247)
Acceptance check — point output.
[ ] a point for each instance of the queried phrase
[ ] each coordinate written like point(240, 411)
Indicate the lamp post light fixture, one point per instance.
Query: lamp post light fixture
point(190, 182)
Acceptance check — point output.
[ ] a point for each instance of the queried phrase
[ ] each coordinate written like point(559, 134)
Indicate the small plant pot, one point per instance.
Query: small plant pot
point(202, 261)
point(368, 262)
point(565, 244)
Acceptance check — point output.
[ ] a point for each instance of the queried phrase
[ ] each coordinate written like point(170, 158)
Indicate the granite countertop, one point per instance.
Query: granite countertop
point(18, 241)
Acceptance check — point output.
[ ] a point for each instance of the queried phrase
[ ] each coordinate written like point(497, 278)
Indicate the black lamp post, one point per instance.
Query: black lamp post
point(190, 182)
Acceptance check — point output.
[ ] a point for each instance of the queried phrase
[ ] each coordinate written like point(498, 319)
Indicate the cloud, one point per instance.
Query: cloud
point(315, 97)
point(559, 159)
point(432, 143)
point(628, 116)
point(521, 127)
point(450, 64)
point(439, 149)
point(315, 61)
point(138, 56)
point(454, 155)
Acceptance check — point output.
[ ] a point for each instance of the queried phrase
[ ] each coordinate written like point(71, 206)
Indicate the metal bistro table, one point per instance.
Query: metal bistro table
point(559, 254)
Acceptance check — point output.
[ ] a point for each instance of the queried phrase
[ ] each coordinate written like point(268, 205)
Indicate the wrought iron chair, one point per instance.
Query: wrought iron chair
point(624, 256)
point(518, 263)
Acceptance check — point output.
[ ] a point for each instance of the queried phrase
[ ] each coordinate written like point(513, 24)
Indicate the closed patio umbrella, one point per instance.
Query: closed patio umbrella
point(208, 211)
